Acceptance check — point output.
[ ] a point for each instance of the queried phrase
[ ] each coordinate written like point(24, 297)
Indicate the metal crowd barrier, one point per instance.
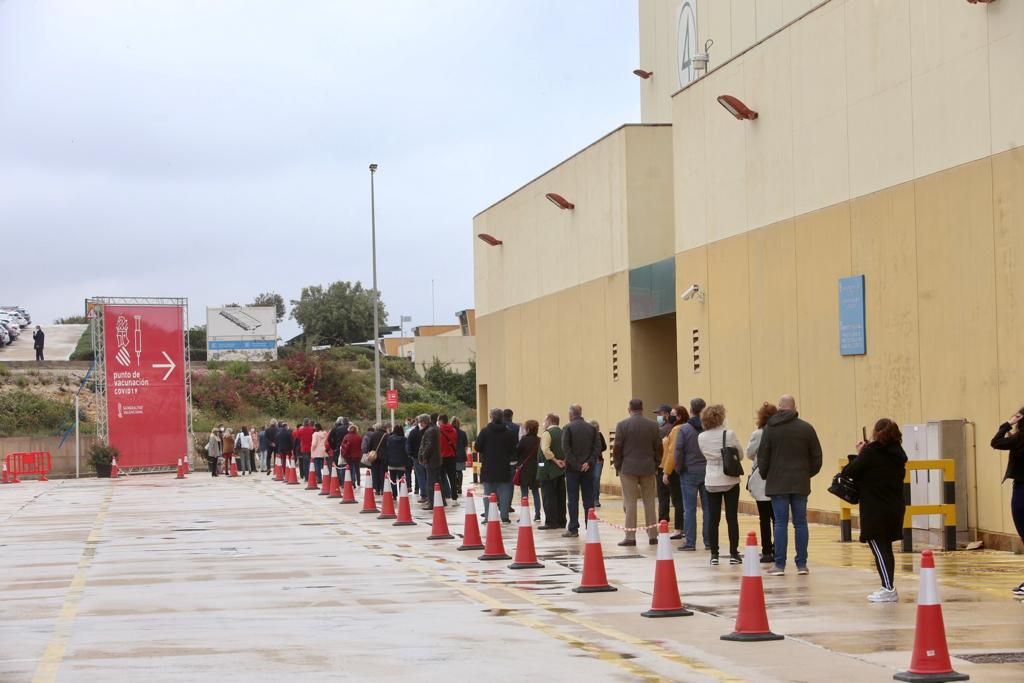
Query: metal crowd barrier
point(947, 508)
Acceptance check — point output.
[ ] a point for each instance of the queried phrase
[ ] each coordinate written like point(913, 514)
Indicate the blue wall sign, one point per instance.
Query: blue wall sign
point(241, 345)
point(852, 330)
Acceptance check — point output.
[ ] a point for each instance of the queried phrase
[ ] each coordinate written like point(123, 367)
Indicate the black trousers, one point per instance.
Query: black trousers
point(453, 488)
point(732, 520)
point(39, 354)
point(672, 494)
point(553, 497)
point(436, 475)
point(211, 462)
point(885, 562)
point(766, 516)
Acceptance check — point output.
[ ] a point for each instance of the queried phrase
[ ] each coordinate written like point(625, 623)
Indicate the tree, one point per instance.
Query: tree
point(340, 314)
point(197, 342)
point(271, 299)
point(462, 386)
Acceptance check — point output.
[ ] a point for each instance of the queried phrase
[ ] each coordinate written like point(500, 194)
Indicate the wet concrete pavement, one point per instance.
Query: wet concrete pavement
point(153, 579)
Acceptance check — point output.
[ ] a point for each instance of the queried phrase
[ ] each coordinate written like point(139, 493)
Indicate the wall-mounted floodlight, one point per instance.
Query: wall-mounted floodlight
point(560, 201)
point(694, 292)
point(643, 74)
point(735, 107)
point(490, 239)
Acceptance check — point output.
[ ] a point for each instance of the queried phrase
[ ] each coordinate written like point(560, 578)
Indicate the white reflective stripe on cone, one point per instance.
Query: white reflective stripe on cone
point(751, 561)
point(592, 535)
point(403, 491)
point(438, 501)
point(664, 547)
point(325, 471)
point(492, 512)
point(367, 482)
point(928, 592)
point(524, 515)
point(469, 505)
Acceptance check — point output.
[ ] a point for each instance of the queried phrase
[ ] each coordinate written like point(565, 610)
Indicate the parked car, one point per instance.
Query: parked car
point(19, 312)
point(13, 328)
point(5, 338)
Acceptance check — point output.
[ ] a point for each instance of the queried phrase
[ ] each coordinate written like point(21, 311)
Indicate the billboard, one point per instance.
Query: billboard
point(144, 351)
point(241, 333)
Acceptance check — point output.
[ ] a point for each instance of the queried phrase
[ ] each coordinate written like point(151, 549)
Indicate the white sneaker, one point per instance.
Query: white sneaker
point(884, 595)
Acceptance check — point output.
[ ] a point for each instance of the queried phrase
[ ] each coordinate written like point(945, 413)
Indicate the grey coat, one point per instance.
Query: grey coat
point(789, 455)
point(580, 444)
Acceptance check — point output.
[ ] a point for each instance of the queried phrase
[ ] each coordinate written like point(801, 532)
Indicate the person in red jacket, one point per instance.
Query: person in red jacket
point(352, 452)
point(449, 440)
point(304, 445)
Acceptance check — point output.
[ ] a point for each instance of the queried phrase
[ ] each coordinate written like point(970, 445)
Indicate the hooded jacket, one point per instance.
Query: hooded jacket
point(449, 439)
point(789, 455)
point(397, 458)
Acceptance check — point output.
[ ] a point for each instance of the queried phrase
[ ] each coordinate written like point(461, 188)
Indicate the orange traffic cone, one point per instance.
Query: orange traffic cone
point(752, 617)
point(115, 471)
point(293, 472)
point(278, 468)
point(335, 485)
point(594, 579)
point(325, 474)
point(5, 479)
point(181, 472)
point(526, 552)
point(369, 502)
point(930, 660)
point(665, 601)
point(184, 465)
point(387, 500)
point(233, 470)
point(439, 528)
point(495, 547)
point(348, 492)
point(404, 511)
point(471, 530)
point(311, 484)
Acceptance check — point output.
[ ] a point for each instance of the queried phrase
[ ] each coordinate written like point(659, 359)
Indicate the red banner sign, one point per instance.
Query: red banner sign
point(145, 365)
point(392, 399)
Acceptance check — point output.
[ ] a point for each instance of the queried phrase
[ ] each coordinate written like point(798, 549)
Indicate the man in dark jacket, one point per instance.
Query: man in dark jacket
point(496, 445)
point(670, 493)
point(412, 447)
point(271, 433)
point(513, 426)
point(788, 458)
point(429, 454)
point(581, 448)
point(696, 406)
point(39, 339)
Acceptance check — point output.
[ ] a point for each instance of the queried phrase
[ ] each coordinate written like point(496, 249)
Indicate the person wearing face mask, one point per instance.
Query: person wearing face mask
point(669, 491)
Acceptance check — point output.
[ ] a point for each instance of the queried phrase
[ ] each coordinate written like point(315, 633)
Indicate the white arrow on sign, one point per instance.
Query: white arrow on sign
point(169, 365)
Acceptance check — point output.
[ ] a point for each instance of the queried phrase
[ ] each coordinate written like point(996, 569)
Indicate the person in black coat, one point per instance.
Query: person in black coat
point(526, 458)
point(394, 456)
point(1013, 441)
point(879, 471)
point(496, 445)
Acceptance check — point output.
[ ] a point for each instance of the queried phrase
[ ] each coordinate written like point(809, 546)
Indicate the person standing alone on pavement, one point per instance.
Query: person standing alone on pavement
point(38, 341)
point(788, 458)
point(636, 455)
point(580, 445)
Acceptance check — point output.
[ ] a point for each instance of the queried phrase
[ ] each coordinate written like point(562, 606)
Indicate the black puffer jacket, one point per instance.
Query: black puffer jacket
point(879, 471)
point(394, 451)
point(497, 448)
point(1005, 441)
point(789, 455)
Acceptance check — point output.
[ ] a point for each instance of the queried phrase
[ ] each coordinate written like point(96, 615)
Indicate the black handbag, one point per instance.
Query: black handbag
point(845, 487)
point(732, 466)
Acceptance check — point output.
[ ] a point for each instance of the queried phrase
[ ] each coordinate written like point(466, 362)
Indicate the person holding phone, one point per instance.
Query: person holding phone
point(1010, 438)
point(879, 470)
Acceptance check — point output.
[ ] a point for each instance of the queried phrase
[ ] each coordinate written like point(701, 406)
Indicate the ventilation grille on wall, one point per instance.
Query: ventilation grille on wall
point(696, 351)
point(615, 362)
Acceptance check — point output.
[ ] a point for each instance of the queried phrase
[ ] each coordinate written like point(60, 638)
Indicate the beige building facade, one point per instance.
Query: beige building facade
point(888, 144)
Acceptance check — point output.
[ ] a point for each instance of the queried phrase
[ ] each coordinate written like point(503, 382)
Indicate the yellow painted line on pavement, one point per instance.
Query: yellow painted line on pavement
point(53, 655)
point(693, 665)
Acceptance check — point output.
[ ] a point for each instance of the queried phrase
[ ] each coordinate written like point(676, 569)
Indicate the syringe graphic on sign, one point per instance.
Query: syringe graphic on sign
point(138, 339)
point(123, 356)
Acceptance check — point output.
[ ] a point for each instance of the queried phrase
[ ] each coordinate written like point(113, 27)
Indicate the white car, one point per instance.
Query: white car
point(20, 314)
point(12, 325)
point(5, 338)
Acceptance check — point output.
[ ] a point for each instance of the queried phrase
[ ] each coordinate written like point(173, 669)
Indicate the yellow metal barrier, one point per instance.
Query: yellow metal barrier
point(947, 509)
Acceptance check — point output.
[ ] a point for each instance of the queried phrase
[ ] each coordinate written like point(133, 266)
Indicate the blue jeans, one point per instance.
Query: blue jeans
point(574, 482)
point(1017, 507)
point(781, 506)
point(524, 490)
point(504, 491)
point(421, 480)
point(692, 483)
point(598, 468)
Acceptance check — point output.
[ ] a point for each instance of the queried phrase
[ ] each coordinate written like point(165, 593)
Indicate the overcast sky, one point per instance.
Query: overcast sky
point(215, 149)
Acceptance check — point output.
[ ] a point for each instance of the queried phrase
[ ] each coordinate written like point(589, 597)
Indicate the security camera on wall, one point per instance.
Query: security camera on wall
point(693, 291)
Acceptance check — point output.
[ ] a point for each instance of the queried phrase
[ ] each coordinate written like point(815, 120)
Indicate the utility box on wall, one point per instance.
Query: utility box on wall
point(935, 440)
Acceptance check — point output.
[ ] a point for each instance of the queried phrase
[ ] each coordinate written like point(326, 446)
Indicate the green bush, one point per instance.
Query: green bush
point(72, 320)
point(102, 455)
point(83, 349)
point(25, 413)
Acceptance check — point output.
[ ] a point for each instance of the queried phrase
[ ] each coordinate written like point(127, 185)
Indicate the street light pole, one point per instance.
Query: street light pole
point(376, 296)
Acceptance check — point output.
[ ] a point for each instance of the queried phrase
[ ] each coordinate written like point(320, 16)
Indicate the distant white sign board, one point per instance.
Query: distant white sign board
point(241, 333)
